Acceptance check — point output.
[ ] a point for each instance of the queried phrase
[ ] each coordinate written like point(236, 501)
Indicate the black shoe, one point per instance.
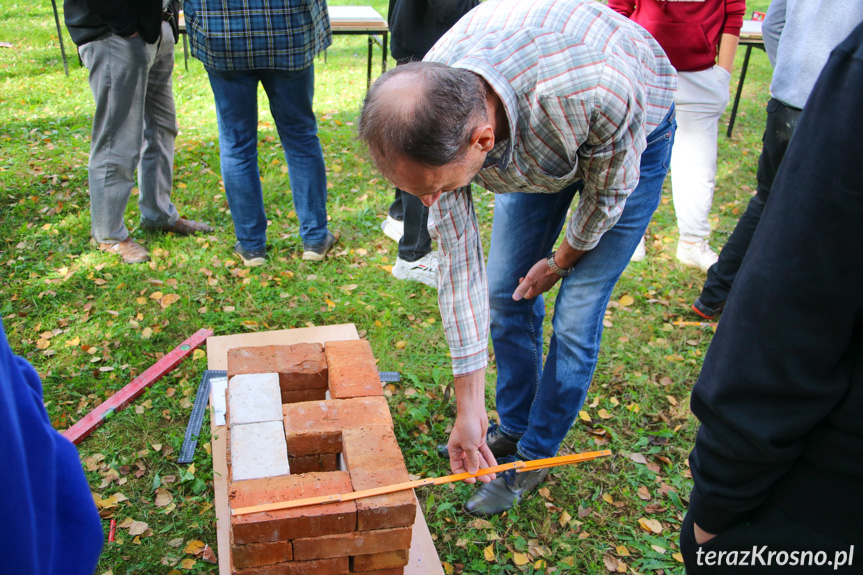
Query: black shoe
point(504, 492)
point(707, 312)
point(500, 444)
point(250, 258)
point(317, 252)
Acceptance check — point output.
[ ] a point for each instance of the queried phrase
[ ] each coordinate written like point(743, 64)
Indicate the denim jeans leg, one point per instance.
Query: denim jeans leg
point(524, 230)
point(118, 70)
point(236, 95)
point(156, 169)
point(781, 123)
point(291, 95)
point(580, 307)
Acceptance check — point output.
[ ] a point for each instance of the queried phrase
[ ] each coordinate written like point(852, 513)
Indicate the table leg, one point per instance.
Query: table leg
point(384, 55)
point(739, 91)
point(369, 67)
point(185, 51)
point(60, 36)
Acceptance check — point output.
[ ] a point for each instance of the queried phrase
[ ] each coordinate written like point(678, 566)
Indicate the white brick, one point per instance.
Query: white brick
point(254, 398)
point(259, 450)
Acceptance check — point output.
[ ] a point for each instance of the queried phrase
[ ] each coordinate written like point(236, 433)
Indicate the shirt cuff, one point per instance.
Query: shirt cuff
point(469, 358)
point(578, 243)
point(711, 518)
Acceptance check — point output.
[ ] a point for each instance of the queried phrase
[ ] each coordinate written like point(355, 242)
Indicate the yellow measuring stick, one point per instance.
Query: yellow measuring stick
point(519, 466)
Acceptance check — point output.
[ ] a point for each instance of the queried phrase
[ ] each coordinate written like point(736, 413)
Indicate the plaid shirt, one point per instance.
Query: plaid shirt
point(257, 34)
point(582, 88)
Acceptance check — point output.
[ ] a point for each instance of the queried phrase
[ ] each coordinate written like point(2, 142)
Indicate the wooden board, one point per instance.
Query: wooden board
point(360, 18)
point(424, 559)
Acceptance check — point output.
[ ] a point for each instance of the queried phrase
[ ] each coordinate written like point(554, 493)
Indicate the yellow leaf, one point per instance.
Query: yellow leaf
point(678, 557)
point(157, 447)
point(520, 559)
point(199, 354)
point(622, 550)
point(650, 525)
point(607, 498)
point(602, 413)
point(330, 303)
point(633, 407)
point(141, 300)
point(671, 399)
point(187, 563)
point(195, 547)
point(250, 323)
point(168, 299)
point(73, 342)
point(447, 568)
point(545, 492)
point(156, 295)
point(163, 497)
point(584, 416)
point(614, 401)
point(401, 344)
point(146, 333)
point(539, 565)
point(564, 519)
point(378, 323)
point(568, 561)
point(489, 553)
point(626, 300)
point(42, 343)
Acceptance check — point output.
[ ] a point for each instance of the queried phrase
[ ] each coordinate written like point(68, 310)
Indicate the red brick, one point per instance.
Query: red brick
point(336, 566)
point(347, 544)
point(314, 463)
point(373, 459)
point(298, 395)
point(260, 554)
point(352, 369)
point(300, 366)
point(288, 524)
point(378, 561)
point(315, 427)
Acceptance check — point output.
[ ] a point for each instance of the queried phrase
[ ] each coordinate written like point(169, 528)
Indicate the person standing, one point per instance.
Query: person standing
point(539, 102)
point(128, 49)
point(415, 25)
point(273, 43)
point(798, 38)
point(700, 38)
point(776, 464)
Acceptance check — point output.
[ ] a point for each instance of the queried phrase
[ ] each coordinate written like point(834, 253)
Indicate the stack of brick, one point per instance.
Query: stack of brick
point(308, 420)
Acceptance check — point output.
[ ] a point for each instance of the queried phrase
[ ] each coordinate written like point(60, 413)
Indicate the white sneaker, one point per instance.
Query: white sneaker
point(393, 228)
point(640, 253)
point(424, 270)
point(696, 254)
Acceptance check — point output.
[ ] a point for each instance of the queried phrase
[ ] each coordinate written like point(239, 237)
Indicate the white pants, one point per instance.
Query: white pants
point(700, 100)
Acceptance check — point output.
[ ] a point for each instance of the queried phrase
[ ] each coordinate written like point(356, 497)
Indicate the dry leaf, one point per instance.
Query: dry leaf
point(209, 556)
point(163, 497)
point(157, 295)
point(545, 492)
point(520, 559)
point(488, 552)
point(126, 523)
point(168, 299)
point(678, 557)
point(607, 498)
point(195, 547)
point(401, 344)
point(138, 528)
point(626, 300)
point(146, 333)
point(187, 563)
point(176, 542)
point(564, 519)
point(611, 563)
point(638, 458)
point(658, 549)
point(602, 413)
point(671, 399)
point(584, 416)
point(622, 550)
point(643, 493)
point(650, 525)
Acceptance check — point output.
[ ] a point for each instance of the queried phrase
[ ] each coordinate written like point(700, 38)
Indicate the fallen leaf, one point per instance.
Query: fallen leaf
point(488, 552)
point(678, 557)
point(603, 414)
point(622, 550)
point(520, 559)
point(611, 563)
point(176, 542)
point(73, 342)
point(157, 295)
point(168, 299)
point(671, 399)
point(163, 497)
point(545, 492)
point(209, 556)
point(195, 547)
point(187, 563)
point(157, 447)
point(146, 333)
point(650, 525)
point(658, 549)
point(564, 519)
point(401, 344)
point(638, 458)
point(42, 343)
point(126, 523)
point(643, 493)
point(138, 528)
point(626, 300)
point(584, 416)
point(607, 498)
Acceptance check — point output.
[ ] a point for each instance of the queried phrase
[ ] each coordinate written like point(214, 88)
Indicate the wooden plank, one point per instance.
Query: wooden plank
point(136, 387)
point(423, 560)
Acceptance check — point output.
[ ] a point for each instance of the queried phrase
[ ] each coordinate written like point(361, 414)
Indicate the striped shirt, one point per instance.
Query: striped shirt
point(257, 34)
point(582, 88)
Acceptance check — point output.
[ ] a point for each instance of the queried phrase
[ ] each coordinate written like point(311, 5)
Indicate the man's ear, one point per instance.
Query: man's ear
point(483, 136)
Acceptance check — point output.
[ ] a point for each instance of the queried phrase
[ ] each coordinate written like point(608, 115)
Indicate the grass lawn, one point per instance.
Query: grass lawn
point(89, 324)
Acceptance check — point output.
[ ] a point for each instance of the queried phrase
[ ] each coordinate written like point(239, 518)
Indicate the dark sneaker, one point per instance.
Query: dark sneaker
point(317, 252)
point(251, 258)
point(500, 444)
point(504, 492)
point(707, 312)
point(182, 227)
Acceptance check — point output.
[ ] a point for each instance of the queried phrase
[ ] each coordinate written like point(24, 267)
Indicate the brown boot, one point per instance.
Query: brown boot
point(183, 227)
point(131, 251)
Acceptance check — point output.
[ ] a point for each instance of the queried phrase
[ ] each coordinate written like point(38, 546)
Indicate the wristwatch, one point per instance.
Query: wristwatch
point(556, 268)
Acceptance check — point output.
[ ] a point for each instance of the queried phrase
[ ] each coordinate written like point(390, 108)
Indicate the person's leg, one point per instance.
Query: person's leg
point(416, 242)
point(397, 209)
point(118, 70)
point(700, 100)
point(236, 96)
point(291, 95)
point(156, 169)
point(780, 126)
point(580, 307)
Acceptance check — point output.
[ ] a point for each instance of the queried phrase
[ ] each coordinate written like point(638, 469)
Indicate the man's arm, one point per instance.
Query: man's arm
point(771, 28)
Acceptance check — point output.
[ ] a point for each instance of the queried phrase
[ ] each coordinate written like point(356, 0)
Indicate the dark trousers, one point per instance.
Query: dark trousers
point(416, 242)
point(781, 123)
point(746, 548)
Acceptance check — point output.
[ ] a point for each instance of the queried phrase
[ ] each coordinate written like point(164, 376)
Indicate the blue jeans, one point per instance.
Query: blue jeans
point(290, 95)
point(538, 404)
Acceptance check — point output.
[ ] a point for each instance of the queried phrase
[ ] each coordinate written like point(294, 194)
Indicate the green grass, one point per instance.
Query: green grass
point(102, 325)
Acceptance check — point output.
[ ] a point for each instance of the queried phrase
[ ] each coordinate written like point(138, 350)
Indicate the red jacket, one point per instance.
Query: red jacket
point(688, 30)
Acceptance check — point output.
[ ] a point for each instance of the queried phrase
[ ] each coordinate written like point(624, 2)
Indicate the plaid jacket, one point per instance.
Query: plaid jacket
point(257, 34)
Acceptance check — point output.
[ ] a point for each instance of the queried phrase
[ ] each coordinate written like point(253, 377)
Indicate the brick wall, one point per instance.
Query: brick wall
point(308, 420)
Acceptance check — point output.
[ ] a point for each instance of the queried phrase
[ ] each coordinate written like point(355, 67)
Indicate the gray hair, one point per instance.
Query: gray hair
point(430, 123)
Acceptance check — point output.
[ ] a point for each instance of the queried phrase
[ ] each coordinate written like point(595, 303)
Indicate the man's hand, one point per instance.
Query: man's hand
point(468, 451)
point(702, 536)
point(540, 278)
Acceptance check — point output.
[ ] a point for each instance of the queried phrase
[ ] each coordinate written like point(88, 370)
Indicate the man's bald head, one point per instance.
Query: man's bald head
point(424, 112)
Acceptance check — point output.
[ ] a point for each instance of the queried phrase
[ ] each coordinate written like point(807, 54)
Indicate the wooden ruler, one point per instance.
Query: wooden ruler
point(519, 466)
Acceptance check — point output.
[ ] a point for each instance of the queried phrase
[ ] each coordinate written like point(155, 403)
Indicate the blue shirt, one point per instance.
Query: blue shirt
point(48, 521)
point(257, 34)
